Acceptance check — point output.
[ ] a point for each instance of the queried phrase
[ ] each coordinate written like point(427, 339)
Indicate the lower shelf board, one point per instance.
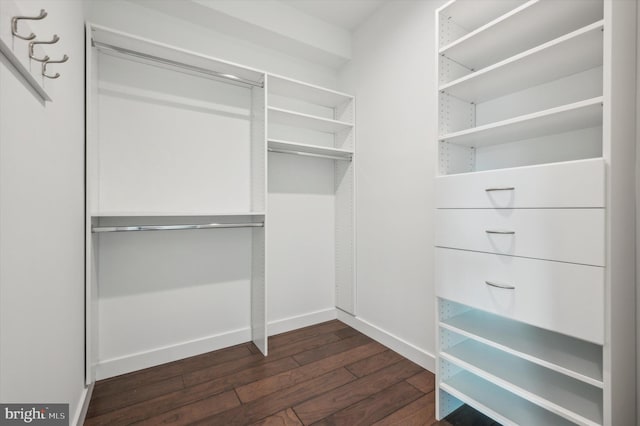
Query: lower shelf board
point(497, 403)
point(567, 355)
point(555, 392)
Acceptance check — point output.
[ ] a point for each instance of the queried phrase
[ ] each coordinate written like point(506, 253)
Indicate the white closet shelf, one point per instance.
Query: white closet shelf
point(575, 116)
point(520, 29)
point(562, 395)
point(466, 14)
point(310, 149)
point(296, 119)
point(120, 40)
point(577, 51)
point(497, 403)
point(117, 214)
point(290, 88)
point(571, 357)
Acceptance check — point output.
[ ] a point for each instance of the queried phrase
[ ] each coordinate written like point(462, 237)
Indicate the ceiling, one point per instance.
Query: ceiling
point(347, 14)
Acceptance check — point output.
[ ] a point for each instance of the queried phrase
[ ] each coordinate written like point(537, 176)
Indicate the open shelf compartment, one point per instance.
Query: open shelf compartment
point(562, 395)
point(296, 119)
point(567, 355)
point(497, 403)
point(459, 17)
point(578, 115)
point(522, 28)
point(578, 51)
point(305, 92)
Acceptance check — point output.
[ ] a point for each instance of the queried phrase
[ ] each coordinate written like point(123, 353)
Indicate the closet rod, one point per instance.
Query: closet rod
point(175, 227)
point(310, 154)
point(211, 73)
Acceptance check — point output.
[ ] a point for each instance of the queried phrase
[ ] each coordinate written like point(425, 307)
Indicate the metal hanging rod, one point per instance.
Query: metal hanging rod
point(310, 154)
point(96, 229)
point(169, 62)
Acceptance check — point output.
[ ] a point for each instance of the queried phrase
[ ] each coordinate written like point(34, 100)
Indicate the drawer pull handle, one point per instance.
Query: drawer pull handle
point(504, 188)
point(504, 286)
point(494, 231)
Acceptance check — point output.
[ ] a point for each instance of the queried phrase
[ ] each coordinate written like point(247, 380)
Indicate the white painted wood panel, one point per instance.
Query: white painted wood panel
point(162, 289)
point(567, 235)
point(570, 184)
point(556, 296)
point(168, 141)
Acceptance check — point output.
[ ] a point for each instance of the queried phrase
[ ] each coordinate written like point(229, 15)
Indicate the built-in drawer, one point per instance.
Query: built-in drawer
point(570, 184)
point(556, 296)
point(568, 235)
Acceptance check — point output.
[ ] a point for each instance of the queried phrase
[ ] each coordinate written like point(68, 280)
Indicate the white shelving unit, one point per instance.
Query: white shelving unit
point(532, 100)
point(203, 177)
point(310, 121)
point(178, 141)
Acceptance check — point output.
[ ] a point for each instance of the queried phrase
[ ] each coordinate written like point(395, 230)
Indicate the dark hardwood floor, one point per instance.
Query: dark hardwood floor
point(326, 374)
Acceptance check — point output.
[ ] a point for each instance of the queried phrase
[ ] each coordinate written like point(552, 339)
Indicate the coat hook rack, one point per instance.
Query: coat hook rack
point(64, 59)
point(14, 24)
point(32, 45)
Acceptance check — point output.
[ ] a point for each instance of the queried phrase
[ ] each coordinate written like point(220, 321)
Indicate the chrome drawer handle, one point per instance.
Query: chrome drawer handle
point(504, 286)
point(495, 231)
point(505, 188)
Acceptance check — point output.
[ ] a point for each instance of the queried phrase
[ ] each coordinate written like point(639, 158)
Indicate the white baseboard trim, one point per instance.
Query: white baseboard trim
point(138, 361)
point(305, 320)
point(411, 352)
point(83, 406)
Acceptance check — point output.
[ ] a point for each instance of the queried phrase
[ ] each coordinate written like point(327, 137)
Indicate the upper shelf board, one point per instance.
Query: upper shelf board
point(296, 119)
point(578, 51)
point(578, 115)
point(523, 28)
point(466, 13)
point(130, 42)
point(311, 149)
point(306, 92)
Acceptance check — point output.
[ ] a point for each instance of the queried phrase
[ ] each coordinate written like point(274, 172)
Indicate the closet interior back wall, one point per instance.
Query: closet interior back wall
point(170, 145)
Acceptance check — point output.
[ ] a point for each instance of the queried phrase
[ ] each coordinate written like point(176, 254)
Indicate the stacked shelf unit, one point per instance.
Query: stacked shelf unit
point(311, 121)
point(534, 271)
point(176, 198)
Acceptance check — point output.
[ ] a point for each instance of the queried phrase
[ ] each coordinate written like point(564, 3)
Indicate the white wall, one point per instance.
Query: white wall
point(392, 75)
point(42, 223)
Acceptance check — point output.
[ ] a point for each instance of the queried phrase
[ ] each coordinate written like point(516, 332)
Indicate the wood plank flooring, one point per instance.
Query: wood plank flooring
point(326, 374)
